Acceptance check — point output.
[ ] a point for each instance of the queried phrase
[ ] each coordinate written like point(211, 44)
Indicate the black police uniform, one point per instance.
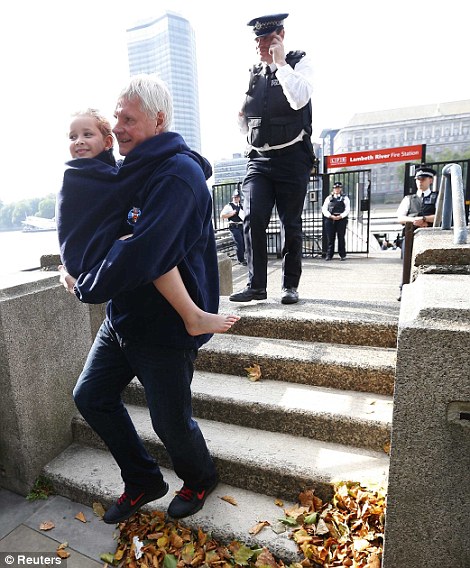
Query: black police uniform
point(235, 225)
point(334, 229)
point(275, 177)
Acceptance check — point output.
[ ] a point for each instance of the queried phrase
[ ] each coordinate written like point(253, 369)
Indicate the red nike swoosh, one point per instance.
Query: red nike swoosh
point(201, 494)
point(137, 499)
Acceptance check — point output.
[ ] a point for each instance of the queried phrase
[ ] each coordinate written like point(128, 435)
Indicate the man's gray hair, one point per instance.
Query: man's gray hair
point(154, 96)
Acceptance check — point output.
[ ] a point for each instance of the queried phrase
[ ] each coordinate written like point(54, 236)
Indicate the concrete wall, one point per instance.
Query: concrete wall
point(45, 335)
point(429, 480)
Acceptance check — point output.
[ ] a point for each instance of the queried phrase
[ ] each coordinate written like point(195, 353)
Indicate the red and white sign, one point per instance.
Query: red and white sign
point(401, 154)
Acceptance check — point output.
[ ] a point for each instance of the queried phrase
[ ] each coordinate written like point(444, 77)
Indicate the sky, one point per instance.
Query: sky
point(59, 56)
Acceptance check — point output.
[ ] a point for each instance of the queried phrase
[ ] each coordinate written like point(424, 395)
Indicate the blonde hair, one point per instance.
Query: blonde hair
point(104, 126)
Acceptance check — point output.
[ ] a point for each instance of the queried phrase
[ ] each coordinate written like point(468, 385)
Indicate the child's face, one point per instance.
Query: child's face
point(86, 140)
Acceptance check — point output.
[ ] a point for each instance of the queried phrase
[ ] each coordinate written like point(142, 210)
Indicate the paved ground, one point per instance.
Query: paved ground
point(375, 277)
point(361, 278)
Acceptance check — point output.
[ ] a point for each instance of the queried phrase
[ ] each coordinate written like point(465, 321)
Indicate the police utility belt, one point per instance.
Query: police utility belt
point(235, 224)
point(278, 152)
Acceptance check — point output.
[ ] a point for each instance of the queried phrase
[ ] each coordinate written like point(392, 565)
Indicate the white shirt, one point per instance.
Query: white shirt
point(297, 85)
point(229, 209)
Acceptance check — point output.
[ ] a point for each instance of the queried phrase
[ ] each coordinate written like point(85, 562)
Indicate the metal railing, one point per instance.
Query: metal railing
point(451, 203)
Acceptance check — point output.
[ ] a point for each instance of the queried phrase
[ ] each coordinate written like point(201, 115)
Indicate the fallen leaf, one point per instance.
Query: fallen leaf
point(360, 544)
point(80, 517)
point(322, 528)
point(46, 526)
point(98, 509)
point(254, 373)
point(278, 528)
point(279, 502)
point(386, 448)
point(374, 561)
point(288, 521)
point(266, 559)
point(258, 527)
point(61, 553)
point(230, 500)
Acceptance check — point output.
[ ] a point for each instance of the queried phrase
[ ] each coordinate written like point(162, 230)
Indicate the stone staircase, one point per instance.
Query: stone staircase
point(321, 412)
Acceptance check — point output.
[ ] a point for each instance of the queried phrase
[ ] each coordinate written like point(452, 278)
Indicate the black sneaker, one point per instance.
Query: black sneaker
point(126, 506)
point(188, 501)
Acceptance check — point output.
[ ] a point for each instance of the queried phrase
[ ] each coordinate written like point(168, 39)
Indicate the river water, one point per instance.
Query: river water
point(22, 251)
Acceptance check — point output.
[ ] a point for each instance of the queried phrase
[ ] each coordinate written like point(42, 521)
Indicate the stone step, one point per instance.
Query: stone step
point(330, 415)
point(87, 475)
point(328, 321)
point(270, 463)
point(337, 366)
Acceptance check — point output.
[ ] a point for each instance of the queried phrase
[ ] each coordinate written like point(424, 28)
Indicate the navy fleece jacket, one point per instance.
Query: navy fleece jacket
point(166, 183)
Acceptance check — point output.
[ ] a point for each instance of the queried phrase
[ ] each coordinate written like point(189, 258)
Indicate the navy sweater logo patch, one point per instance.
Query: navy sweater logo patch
point(133, 215)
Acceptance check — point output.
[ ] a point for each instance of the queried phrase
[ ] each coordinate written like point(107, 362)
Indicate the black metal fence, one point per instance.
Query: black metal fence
point(356, 185)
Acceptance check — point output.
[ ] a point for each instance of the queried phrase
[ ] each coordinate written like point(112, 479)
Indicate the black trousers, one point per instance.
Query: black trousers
point(336, 229)
point(239, 240)
point(275, 180)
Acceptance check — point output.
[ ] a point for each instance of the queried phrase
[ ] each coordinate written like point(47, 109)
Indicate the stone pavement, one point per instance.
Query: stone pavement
point(375, 277)
point(372, 278)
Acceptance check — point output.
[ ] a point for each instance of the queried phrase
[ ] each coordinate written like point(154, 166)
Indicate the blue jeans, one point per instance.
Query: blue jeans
point(166, 375)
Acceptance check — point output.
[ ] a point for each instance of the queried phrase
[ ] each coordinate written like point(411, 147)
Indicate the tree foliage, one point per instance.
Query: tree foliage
point(12, 214)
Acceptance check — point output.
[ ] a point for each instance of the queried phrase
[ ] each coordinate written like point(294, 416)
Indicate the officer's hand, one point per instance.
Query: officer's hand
point(276, 50)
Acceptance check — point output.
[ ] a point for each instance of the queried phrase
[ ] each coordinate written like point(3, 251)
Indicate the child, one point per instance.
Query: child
point(89, 223)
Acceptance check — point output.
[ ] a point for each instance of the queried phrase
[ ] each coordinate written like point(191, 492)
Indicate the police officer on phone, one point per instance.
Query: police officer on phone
point(233, 211)
point(277, 118)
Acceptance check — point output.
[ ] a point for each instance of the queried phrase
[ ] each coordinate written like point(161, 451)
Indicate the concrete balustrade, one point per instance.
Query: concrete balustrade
point(429, 476)
point(45, 335)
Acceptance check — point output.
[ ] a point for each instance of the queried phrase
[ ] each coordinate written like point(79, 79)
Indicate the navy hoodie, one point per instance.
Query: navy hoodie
point(164, 182)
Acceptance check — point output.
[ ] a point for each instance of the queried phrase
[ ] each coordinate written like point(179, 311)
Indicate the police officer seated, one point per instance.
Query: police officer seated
point(419, 208)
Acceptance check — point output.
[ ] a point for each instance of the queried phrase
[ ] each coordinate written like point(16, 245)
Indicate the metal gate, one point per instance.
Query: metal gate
point(356, 185)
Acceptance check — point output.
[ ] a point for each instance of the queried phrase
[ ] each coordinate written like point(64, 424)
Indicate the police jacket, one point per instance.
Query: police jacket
point(424, 206)
point(270, 118)
point(235, 218)
point(336, 206)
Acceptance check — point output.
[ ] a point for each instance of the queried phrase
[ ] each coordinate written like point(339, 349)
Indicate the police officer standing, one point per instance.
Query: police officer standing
point(233, 211)
point(277, 118)
point(335, 211)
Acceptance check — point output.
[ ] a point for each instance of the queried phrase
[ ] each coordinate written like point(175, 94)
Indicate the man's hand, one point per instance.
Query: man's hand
point(276, 50)
point(67, 281)
point(419, 222)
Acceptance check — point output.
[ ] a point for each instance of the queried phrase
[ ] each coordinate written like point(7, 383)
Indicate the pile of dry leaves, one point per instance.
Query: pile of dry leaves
point(348, 531)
